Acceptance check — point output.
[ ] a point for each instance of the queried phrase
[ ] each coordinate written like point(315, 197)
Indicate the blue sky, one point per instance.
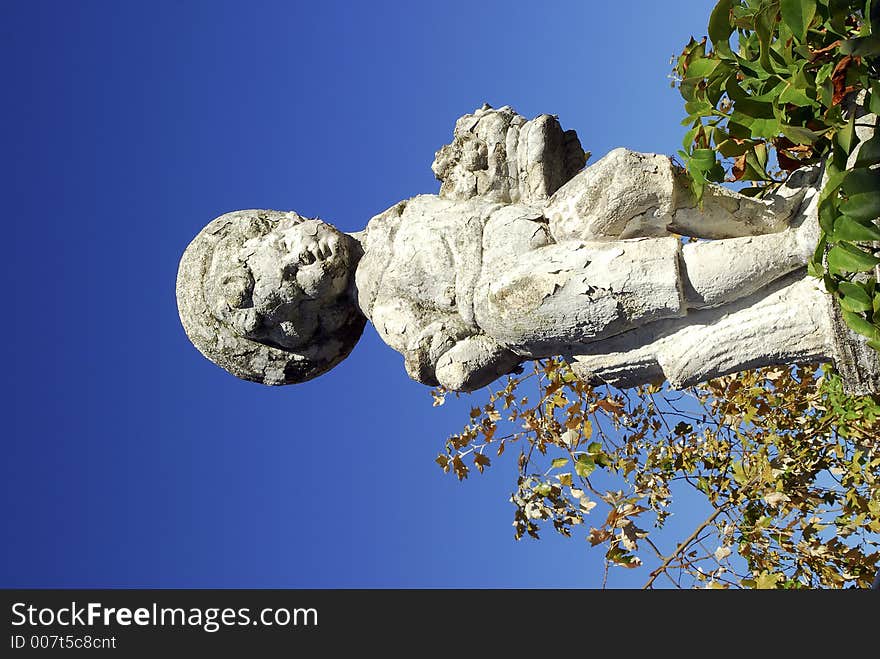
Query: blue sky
point(129, 459)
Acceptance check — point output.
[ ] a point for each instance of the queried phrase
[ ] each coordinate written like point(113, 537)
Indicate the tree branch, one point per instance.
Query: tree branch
point(681, 547)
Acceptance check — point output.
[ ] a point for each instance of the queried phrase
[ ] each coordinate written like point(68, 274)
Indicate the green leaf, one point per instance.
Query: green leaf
point(855, 298)
point(860, 325)
point(849, 228)
point(704, 157)
point(758, 127)
point(720, 28)
point(768, 128)
point(835, 179)
point(746, 104)
point(731, 149)
point(799, 134)
point(869, 152)
point(830, 283)
point(819, 253)
point(702, 67)
point(874, 101)
point(827, 215)
point(798, 14)
point(846, 137)
point(772, 94)
point(682, 428)
point(825, 90)
point(861, 181)
point(559, 462)
point(761, 155)
point(844, 257)
point(584, 466)
point(868, 46)
point(698, 108)
point(689, 138)
point(765, 21)
point(862, 206)
point(795, 96)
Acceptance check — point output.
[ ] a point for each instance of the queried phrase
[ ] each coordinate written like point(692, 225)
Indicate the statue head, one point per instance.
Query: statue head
point(268, 295)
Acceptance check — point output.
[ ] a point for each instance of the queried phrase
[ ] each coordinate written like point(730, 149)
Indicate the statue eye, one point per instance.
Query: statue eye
point(306, 258)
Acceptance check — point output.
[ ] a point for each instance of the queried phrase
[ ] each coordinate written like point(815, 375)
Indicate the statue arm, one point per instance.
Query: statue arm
point(439, 348)
point(632, 195)
point(449, 353)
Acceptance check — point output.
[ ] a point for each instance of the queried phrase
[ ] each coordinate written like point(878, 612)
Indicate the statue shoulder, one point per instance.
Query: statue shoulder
point(427, 246)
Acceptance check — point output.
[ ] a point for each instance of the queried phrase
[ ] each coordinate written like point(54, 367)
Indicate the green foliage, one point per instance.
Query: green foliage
point(788, 464)
point(788, 94)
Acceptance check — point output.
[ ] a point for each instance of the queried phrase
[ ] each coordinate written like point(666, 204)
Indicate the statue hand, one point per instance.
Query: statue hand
point(425, 350)
point(474, 362)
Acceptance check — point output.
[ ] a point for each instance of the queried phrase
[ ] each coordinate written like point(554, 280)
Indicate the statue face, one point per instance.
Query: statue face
point(274, 283)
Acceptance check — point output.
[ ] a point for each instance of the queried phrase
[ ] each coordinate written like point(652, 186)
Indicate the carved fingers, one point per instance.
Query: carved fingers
point(474, 362)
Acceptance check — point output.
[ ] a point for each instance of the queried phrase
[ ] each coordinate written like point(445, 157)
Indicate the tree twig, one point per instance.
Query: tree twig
point(681, 547)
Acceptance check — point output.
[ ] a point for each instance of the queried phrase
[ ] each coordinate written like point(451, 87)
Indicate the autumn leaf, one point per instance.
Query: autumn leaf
point(721, 553)
point(481, 461)
point(586, 504)
point(819, 52)
point(776, 498)
point(609, 405)
point(767, 580)
point(570, 437)
point(739, 167)
point(838, 79)
point(598, 536)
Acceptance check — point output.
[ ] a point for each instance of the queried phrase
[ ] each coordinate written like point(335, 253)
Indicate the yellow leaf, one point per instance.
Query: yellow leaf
point(767, 580)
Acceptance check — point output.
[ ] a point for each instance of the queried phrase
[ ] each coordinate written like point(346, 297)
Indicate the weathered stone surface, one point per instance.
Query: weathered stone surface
point(267, 295)
point(628, 194)
point(521, 256)
point(498, 155)
point(788, 323)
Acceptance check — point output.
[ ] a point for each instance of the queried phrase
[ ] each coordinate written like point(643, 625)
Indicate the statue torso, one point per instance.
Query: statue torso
point(470, 267)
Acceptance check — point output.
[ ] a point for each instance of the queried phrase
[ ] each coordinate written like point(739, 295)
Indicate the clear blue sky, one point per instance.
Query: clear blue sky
point(129, 459)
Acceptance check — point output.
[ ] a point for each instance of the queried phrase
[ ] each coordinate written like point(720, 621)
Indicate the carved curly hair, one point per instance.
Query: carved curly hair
point(214, 293)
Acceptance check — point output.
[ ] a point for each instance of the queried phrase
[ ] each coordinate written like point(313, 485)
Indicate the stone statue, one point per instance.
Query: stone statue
point(523, 255)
